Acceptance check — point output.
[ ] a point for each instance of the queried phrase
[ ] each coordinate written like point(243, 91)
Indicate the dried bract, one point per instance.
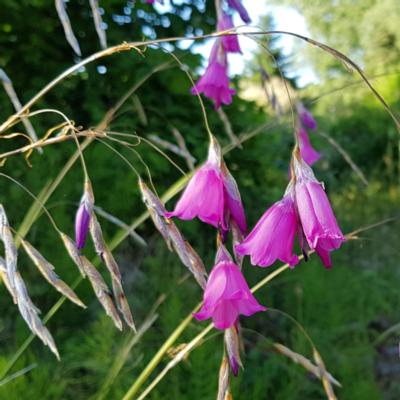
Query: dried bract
point(47, 270)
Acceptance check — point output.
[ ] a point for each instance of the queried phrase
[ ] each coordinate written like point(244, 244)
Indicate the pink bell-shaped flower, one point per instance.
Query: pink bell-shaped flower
point(317, 219)
point(212, 195)
point(214, 84)
point(273, 236)
point(227, 294)
point(229, 42)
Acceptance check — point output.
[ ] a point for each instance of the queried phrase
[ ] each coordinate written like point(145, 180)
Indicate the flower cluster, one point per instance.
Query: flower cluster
point(214, 84)
point(304, 211)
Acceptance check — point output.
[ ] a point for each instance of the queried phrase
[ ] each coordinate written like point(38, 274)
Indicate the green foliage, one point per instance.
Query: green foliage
point(344, 310)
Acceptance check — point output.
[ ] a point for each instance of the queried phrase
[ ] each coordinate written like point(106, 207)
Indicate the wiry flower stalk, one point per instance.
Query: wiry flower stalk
point(47, 270)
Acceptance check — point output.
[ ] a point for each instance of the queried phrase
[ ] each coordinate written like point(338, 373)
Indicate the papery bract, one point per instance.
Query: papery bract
point(214, 84)
point(315, 213)
point(273, 236)
point(229, 42)
point(238, 6)
point(233, 202)
point(308, 153)
point(227, 296)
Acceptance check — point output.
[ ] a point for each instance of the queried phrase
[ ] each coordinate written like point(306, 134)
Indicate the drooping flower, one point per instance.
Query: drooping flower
point(229, 42)
point(214, 84)
point(227, 294)
point(308, 153)
point(238, 6)
point(317, 219)
point(273, 236)
point(306, 117)
point(212, 195)
point(82, 218)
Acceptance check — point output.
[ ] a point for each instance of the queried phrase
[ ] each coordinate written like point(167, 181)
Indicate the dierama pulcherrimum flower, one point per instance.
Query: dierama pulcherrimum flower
point(308, 153)
point(227, 294)
point(82, 218)
point(273, 236)
point(212, 194)
point(306, 117)
point(317, 219)
point(230, 42)
point(238, 6)
point(214, 84)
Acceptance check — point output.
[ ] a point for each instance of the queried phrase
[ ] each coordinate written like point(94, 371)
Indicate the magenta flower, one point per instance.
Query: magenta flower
point(227, 295)
point(317, 219)
point(231, 42)
point(308, 153)
point(238, 6)
point(214, 84)
point(273, 236)
point(211, 195)
point(306, 118)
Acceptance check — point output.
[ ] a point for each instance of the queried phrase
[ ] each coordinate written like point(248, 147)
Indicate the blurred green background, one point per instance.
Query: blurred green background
point(345, 310)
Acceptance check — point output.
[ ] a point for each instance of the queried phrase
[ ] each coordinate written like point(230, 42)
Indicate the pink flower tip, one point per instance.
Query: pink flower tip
point(307, 118)
point(308, 153)
point(229, 42)
point(82, 221)
point(227, 296)
point(238, 6)
point(234, 365)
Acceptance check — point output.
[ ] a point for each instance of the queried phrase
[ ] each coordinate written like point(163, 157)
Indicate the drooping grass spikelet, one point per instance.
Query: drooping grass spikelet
point(73, 252)
point(305, 363)
point(102, 291)
point(4, 278)
point(98, 23)
point(172, 235)
point(156, 210)
point(11, 253)
point(187, 254)
point(47, 270)
point(30, 313)
point(66, 23)
point(112, 266)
